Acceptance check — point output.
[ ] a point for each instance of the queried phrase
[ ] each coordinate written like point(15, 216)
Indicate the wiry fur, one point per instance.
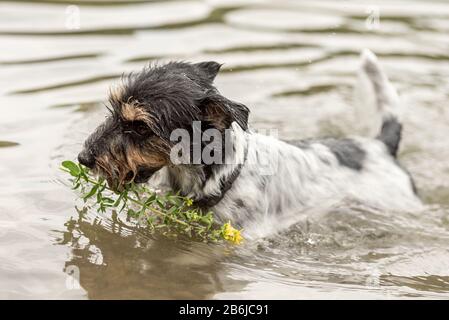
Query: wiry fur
point(271, 180)
point(134, 141)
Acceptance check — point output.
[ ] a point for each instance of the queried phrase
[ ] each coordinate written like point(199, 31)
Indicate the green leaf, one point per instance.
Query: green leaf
point(160, 203)
point(119, 199)
point(91, 192)
point(132, 213)
point(123, 206)
point(73, 168)
point(108, 200)
point(150, 199)
point(103, 187)
point(172, 210)
point(169, 213)
point(99, 197)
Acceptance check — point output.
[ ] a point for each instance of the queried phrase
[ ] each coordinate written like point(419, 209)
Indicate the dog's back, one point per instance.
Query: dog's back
point(317, 172)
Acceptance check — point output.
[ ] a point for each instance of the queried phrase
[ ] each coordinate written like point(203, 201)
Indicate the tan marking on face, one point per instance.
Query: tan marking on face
point(132, 112)
point(113, 166)
point(117, 164)
point(216, 115)
point(138, 158)
point(104, 164)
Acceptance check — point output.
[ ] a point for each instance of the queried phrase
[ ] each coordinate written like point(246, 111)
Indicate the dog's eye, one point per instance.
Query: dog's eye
point(140, 128)
point(137, 127)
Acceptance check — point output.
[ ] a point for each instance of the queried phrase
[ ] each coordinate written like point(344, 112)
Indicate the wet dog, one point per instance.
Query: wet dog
point(241, 175)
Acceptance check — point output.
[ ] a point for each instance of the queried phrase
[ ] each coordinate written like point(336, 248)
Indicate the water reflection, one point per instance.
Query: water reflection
point(5, 144)
point(118, 261)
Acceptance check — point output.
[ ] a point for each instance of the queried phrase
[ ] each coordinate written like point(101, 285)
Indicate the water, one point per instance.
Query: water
point(293, 63)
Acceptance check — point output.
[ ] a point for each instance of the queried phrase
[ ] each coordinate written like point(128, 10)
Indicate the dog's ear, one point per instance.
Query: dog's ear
point(209, 69)
point(220, 112)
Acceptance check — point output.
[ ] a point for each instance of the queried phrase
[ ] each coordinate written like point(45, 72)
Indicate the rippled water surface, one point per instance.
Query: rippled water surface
point(294, 64)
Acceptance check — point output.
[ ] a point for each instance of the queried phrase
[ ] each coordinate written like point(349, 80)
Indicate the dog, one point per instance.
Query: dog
point(135, 143)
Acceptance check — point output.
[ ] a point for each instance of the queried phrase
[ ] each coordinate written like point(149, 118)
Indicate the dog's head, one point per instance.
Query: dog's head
point(134, 140)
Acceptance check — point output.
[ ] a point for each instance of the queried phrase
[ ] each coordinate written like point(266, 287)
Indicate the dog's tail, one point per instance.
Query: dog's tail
point(386, 101)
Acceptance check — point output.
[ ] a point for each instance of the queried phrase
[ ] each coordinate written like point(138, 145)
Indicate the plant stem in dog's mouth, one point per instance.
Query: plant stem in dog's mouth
point(170, 214)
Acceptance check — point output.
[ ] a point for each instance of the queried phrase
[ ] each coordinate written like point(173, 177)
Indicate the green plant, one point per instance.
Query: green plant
point(170, 213)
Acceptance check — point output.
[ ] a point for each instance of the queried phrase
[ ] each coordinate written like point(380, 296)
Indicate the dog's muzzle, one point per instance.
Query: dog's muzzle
point(87, 159)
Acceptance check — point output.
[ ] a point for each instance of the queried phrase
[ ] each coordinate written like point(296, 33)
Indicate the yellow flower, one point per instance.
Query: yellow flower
point(231, 234)
point(189, 202)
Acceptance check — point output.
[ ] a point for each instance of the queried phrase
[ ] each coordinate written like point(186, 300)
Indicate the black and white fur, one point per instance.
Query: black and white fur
point(309, 173)
point(265, 181)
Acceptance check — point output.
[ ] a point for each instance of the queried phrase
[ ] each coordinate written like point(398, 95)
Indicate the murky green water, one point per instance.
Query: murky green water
point(293, 63)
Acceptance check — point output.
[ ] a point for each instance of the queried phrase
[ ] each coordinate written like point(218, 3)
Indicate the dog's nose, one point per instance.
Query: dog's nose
point(86, 159)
